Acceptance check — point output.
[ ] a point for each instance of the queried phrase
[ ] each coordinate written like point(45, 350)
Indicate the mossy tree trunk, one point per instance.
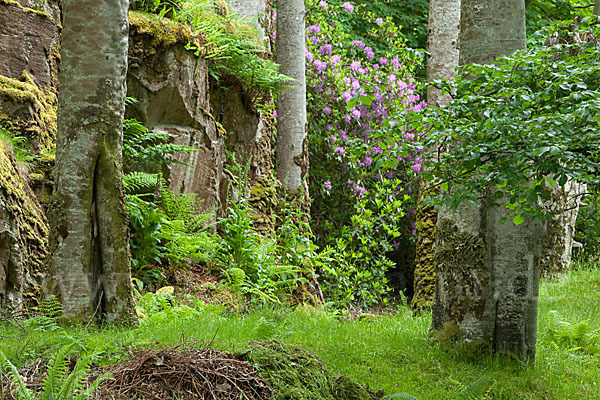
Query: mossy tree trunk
point(90, 258)
point(292, 149)
point(442, 50)
point(487, 270)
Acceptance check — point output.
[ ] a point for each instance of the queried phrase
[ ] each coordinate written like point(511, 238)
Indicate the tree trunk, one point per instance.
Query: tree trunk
point(442, 50)
point(90, 259)
point(564, 207)
point(251, 10)
point(597, 8)
point(292, 151)
point(488, 271)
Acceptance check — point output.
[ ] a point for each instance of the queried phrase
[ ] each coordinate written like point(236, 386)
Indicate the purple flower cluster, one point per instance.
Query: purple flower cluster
point(353, 95)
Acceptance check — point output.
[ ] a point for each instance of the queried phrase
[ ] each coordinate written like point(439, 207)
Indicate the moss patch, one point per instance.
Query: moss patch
point(159, 34)
point(296, 374)
point(28, 220)
point(424, 280)
point(28, 110)
point(26, 9)
point(263, 199)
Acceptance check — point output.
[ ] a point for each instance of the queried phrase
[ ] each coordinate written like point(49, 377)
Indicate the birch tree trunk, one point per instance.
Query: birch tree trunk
point(488, 271)
point(90, 258)
point(442, 50)
point(292, 151)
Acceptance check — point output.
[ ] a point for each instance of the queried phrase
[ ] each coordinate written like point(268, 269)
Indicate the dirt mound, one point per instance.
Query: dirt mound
point(183, 374)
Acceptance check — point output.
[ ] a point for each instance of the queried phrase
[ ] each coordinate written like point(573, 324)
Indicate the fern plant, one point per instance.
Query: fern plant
point(142, 183)
point(577, 337)
point(144, 149)
point(48, 318)
point(474, 391)
point(59, 383)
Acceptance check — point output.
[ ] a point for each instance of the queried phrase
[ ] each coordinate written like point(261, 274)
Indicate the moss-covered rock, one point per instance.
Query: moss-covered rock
point(152, 34)
point(424, 277)
point(28, 110)
point(296, 374)
point(23, 233)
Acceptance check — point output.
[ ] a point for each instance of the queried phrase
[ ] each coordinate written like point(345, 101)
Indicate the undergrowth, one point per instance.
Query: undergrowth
point(391, 351)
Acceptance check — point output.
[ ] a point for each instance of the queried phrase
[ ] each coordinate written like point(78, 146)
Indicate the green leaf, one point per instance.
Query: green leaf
point(518, 219)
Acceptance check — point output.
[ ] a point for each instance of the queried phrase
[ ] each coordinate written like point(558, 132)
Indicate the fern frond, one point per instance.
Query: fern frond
point(403, 396)
point(57, 371)
point(74, 383)
point(22, 391)
point(476, 389)
point(137, 181)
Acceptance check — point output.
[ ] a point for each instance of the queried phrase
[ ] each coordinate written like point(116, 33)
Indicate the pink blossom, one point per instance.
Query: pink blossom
point(358, 43)
point(349, 7)
point(324, 4)
point(326, 49)
point(379, 21)
point(309, 56)
point(314, 29)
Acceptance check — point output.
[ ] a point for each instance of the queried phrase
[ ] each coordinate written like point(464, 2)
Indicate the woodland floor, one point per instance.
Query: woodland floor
point(390, 352)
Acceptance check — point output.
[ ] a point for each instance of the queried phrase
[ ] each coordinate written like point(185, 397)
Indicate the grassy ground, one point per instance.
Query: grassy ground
point(391, 352)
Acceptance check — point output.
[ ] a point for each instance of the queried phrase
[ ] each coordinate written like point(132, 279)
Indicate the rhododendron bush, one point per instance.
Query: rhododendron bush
point(363, 162)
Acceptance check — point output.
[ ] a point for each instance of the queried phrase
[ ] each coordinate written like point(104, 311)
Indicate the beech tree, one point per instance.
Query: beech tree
point(89, 250)
point(442, 50)
point(487, 269)
point(292, 152)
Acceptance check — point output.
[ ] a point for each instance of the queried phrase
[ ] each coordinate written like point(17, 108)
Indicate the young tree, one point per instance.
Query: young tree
point(90, 259)
point(488, 269)
point(292, 153)
point(442, 50)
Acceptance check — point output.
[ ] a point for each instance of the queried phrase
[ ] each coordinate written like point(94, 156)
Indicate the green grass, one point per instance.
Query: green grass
point(391, 352)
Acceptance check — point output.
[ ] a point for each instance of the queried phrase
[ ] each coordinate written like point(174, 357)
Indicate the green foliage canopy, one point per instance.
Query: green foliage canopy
point(516, 126)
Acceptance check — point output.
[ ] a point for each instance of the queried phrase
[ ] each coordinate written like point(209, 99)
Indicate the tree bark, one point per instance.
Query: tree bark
point(488, 271)
point(597, 8)
point(292, 151)
point(442, 50)
point(90, 258)
point(251, 10)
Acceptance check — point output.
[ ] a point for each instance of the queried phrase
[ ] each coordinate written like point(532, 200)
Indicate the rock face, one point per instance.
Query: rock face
point(250, 137)
point(176, 96)
point(23, 233)
point(171, 86)
point(29, 40)
point(28, 68)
